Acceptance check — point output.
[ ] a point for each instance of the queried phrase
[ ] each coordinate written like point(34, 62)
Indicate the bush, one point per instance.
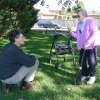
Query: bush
point(17, 14)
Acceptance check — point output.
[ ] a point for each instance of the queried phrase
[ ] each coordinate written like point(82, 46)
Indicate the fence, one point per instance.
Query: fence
point(65, 23)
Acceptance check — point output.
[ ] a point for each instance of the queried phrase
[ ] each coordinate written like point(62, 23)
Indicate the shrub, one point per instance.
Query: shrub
point(17, 14)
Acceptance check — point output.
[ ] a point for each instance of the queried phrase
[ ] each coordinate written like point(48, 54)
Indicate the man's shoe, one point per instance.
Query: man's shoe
point(91, 80)
point(6, 88)
point(28, 85)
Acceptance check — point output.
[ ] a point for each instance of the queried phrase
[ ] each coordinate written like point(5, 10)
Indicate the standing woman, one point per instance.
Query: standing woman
point(87, 41)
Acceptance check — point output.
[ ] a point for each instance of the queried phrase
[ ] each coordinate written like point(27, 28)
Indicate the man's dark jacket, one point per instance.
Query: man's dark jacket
point(12, 59)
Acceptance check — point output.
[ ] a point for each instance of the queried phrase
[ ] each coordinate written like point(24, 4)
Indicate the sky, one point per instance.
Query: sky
point(52, 4)
point(92, 4)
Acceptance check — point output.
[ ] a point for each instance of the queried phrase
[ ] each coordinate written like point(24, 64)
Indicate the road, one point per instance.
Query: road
point(49, 30)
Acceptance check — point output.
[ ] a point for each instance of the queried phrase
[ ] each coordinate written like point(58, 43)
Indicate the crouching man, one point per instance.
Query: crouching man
point(15, 66)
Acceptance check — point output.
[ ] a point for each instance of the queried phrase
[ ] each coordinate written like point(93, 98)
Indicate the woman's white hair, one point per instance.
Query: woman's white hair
point(83, 11)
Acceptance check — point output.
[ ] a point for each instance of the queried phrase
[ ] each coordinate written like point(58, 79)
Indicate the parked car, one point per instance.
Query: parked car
point(49, 24)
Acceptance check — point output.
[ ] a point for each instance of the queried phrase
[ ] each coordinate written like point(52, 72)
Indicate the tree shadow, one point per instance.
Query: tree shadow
point(40, 44)
point(92, 93)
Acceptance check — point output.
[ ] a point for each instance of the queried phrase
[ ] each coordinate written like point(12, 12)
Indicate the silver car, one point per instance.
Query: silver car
point(49, 24)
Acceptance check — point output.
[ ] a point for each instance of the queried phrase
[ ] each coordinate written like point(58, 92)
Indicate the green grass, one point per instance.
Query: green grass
point(52, 83)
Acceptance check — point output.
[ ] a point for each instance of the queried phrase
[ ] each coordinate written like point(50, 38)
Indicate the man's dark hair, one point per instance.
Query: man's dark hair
point(14, 33)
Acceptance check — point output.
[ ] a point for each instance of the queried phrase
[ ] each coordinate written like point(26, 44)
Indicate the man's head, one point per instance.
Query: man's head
point(16, 36)
point(82, 14)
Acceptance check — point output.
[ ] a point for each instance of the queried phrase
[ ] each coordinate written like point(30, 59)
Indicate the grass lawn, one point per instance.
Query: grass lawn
point(52, 83)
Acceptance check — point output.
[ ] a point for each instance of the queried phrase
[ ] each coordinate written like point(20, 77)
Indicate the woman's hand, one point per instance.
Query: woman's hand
point(86, 46)
point(69, 29)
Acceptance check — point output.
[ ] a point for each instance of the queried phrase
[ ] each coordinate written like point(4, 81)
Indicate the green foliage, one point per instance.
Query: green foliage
point(78, 6)
point(17, 14)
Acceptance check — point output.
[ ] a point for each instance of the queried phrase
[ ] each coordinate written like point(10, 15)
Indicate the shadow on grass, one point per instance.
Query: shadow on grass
point(51, 81)
point(43, 93)
point(92, 93)
point(41, 44)
point(59, 76)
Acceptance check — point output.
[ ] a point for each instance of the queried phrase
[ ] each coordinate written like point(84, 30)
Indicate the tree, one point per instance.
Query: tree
point(78, 6)
point(66, 3)
point(17, 14)
point(70, 10)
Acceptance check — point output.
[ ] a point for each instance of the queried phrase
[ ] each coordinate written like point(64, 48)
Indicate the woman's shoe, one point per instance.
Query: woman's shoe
point(91, 80)
point(83, 78)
